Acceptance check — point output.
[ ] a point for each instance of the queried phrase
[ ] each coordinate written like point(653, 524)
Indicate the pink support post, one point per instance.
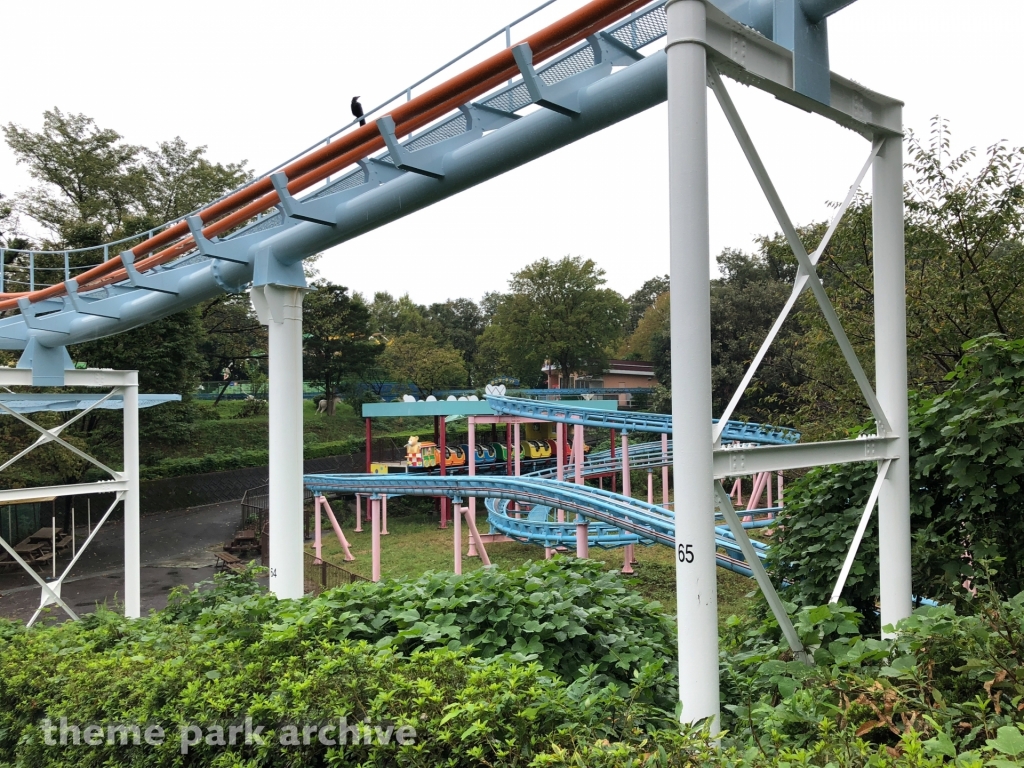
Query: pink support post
point(384, 515)
point(650, 487)
point(472, 473)
point(664, 470)
point(337, 530)
point(457, 536)
point(443, 432)
point(560, 459)
point(317, 543)
point(582, 542)
point(614, 480)
point(474, 538)
point(516, 463)
point(359, 513)
point(375, 535)
point(577, 446)
point(768, 485)
point(627, 491)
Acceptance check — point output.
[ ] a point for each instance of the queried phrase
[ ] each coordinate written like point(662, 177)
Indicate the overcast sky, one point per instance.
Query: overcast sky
point(261, 81)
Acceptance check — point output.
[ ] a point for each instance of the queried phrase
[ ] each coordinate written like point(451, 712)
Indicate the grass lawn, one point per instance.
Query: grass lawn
point(415, 544)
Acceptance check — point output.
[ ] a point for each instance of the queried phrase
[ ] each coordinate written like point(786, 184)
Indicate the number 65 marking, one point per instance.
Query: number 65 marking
point(685, 553)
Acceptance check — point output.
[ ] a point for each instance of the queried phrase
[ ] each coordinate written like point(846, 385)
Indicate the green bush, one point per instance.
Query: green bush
point(967, 467)
point(949, 685)
point(552, 660)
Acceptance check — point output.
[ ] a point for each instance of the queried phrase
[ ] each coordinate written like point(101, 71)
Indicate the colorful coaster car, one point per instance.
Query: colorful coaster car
point(484, 454)
point(537, 449)
point(454, 456)
point(501, 453)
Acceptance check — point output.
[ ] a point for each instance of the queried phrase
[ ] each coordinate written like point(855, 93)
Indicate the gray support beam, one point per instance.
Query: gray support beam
point(891, 378)
point(775, 458)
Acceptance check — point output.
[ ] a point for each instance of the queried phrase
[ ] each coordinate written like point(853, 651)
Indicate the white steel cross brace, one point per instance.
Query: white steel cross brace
point(802, 257)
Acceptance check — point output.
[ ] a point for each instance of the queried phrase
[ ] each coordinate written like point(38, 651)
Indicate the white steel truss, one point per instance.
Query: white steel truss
point(124, 484)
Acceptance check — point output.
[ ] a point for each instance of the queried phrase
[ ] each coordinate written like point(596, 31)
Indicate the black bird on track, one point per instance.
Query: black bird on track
point(357, 110)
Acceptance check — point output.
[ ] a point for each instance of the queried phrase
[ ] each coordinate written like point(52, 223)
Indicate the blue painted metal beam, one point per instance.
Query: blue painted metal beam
point(631, 421)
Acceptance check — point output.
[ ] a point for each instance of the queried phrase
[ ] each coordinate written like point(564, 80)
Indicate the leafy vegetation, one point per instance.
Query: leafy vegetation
point(967, 454)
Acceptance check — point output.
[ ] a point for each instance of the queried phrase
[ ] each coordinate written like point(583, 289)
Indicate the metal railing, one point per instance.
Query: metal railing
point(320, 575)
point(634, 32)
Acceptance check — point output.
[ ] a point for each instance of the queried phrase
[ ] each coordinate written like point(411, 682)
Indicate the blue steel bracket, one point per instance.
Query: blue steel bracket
point(227, 250)
point(610, 47)
point(150, 282)
point(314, 211)
point(429, 161)
point(270, 270)
point(35, 314)
point(432, 165)
point(47, 363)
point(540, 92)
point(378, 172)
point(95, 307)
point(800, 26)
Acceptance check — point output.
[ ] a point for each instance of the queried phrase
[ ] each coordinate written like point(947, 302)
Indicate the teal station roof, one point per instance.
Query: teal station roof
point(457, 408)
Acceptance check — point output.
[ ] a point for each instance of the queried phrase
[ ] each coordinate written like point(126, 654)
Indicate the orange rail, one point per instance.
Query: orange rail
point(260, 196)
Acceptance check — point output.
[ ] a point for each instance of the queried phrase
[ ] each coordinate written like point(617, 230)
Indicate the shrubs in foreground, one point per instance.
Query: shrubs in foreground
point(555, 664)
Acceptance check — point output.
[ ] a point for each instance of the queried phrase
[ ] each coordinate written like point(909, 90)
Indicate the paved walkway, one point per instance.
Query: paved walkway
point(177, 548)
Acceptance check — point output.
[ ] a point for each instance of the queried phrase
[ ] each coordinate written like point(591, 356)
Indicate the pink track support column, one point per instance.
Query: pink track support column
point(517, 461)
point(768, 485)
point(375, 535)
point(582, 542)
point(472, 473)
point(508, 450)
point(577, 445)
point(359, 513)
point(317, 542)
point(384, 515)
point(443, 433)
point(650, 486)
point(457, 536)
point(627, 491)
point(560, 460)
point(664, 470)
point(337, 531)
point(614, 480)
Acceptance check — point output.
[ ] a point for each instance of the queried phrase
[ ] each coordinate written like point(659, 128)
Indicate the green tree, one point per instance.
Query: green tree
point(393, 317)
point(746, 298)
point(560, 311)
point(459, 323)
point(965, 270)
point(967, 508)
point(644, 298)
point(337, 344)
point(94, 187)
point(423, 363)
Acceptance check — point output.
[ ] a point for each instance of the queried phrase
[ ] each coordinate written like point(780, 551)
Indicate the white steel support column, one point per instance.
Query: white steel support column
point(132, 533)
point(280, 309)
point(690, 254)
point(891, 377)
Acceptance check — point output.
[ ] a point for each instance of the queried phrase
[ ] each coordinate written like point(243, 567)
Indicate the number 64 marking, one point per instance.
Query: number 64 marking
point(685, 553)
